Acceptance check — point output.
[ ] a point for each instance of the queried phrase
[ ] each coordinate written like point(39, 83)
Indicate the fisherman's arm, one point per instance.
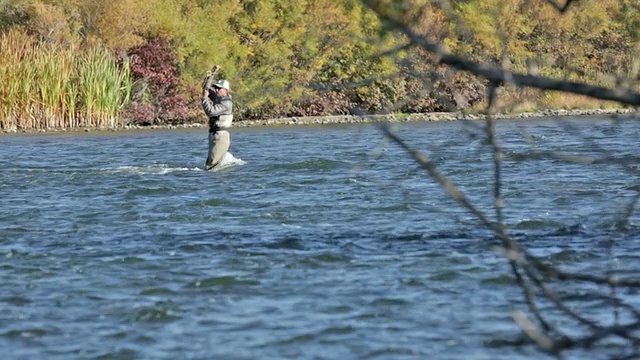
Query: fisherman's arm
point(212, 109)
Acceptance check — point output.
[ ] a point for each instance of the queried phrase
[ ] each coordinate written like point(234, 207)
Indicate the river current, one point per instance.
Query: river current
point(319, 242)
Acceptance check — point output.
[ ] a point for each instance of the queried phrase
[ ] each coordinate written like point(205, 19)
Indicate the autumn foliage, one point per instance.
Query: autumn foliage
point(320, 57)
point(156, 96)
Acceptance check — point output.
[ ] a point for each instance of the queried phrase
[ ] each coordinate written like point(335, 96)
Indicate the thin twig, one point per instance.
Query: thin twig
point(533, 332)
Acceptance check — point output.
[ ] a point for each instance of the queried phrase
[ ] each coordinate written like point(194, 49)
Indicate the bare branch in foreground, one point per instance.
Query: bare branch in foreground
point(551, 313)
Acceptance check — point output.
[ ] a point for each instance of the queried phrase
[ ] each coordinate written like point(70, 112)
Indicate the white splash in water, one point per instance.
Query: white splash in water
point(229, 161)
point(154, 169)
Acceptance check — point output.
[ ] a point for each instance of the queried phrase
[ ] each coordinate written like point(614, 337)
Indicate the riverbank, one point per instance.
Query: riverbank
point(352, 119)
point(442, 116)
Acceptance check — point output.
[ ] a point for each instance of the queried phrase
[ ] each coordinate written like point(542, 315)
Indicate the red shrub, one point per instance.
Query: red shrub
point(137, 113)
point(155, 68)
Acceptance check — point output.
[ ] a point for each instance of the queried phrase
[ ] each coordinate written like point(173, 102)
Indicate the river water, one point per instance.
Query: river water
point(327, 243)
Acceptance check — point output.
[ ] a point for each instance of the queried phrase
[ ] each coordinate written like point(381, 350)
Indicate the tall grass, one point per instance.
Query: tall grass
point(51, 87)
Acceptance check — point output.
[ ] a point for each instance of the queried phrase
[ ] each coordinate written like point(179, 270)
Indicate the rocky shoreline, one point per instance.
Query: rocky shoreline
point(442, 116)
point(353, 119)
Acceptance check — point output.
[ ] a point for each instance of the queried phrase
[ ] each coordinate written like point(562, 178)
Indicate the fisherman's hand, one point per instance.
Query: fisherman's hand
point(216, 68)
point(205, 94)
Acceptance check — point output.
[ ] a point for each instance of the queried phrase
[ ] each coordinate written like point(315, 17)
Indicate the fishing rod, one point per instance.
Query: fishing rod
point(206, 84)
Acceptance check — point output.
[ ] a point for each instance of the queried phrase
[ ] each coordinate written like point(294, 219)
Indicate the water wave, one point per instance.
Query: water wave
point(316, 250)
point(153, 169)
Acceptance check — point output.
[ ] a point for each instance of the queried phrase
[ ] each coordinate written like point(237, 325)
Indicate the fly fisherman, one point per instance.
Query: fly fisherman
point(218, 106)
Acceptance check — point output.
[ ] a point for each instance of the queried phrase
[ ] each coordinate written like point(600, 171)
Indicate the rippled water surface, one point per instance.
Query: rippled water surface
point(328, 243)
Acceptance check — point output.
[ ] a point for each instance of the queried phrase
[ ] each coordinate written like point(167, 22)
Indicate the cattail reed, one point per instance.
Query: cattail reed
point(52, 87)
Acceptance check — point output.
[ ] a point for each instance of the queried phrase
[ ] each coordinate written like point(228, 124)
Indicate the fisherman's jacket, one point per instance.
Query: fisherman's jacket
point(220, 112)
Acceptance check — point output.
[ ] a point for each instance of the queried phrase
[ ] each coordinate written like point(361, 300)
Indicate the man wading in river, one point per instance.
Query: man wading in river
point(217, 104)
